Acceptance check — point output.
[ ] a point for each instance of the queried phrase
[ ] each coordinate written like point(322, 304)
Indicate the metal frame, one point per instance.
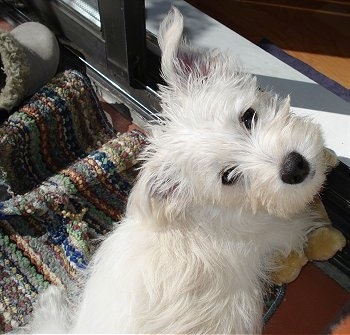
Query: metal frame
point(125, 40)
point(118, 57)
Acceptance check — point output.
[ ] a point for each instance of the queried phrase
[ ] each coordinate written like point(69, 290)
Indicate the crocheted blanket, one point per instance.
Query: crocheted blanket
point(66, 176)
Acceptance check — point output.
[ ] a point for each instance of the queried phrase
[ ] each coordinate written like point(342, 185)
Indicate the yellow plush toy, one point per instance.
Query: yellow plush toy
point(323, 243)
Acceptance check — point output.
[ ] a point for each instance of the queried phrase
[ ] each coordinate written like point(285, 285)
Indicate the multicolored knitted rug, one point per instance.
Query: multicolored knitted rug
point(66, 176)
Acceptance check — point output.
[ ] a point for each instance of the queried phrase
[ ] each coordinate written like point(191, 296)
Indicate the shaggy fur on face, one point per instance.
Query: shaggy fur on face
point(224, 187)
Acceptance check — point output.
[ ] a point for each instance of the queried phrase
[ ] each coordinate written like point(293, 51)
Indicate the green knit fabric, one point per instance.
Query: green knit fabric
point(66, 178)
point(16, 69)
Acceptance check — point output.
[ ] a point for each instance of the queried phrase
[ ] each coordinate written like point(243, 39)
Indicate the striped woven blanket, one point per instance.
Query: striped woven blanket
point(66, 176)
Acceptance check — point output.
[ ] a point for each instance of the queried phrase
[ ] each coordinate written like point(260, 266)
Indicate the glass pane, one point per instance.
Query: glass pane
point(87, 8)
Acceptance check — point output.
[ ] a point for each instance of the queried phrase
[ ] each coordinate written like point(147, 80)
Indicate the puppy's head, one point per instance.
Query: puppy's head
point(225, 143)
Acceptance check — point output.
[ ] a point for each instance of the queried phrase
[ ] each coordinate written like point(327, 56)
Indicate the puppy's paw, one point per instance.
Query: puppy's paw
point(288, 268)
point(324, 243)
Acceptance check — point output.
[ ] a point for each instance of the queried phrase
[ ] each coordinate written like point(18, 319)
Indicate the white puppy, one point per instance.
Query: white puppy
point(223, 189)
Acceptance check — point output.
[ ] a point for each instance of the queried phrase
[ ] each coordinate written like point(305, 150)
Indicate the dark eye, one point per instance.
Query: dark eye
point(249, 117)
point(228, 178)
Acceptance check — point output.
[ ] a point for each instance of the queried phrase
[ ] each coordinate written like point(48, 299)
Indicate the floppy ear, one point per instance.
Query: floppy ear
point(180, 61)
point(161, 193)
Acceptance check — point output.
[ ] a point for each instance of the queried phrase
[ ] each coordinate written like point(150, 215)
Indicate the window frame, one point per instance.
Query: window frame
point(120, 56)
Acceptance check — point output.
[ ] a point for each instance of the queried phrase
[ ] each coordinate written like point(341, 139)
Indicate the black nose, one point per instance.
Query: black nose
point(295, 168)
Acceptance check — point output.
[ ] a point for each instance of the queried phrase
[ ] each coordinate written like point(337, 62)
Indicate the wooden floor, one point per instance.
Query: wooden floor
point(315, 31)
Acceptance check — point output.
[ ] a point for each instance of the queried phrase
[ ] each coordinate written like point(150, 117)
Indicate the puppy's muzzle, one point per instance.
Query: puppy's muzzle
point(295, 168)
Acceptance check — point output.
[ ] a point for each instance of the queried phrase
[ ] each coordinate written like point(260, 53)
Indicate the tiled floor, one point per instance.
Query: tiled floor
point(310, 305)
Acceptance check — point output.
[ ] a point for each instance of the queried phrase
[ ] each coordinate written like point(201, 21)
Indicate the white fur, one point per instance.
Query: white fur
point(193, 255)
